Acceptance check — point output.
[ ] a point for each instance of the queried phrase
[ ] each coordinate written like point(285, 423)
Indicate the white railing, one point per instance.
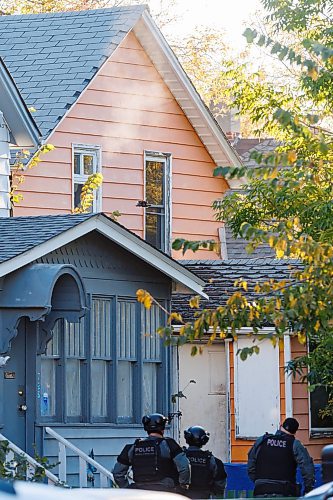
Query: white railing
point(106, 477)
point(33, 464)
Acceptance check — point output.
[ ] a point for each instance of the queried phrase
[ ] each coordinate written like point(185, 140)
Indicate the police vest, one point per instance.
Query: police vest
point(275, 458)
point(201, 473)
point(148, 465)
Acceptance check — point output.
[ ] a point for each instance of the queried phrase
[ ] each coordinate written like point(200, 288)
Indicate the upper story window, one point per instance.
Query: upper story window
point(86, 161)
point(158, 200)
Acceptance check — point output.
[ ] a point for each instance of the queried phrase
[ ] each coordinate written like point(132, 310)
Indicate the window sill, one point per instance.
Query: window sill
point(318, 434)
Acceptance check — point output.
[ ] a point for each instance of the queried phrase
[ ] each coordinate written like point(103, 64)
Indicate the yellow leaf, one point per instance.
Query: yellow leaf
point(292, 156)
point(317, 325)
point(279, 253)
point(194, 302)
point(244, 285)
point(148, 301)
point(175, 316)
point(313, 73)
point(301, 338)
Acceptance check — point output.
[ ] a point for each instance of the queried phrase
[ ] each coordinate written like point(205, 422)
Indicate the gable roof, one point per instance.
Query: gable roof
point(53, 57)
point(236, 248)
point(25, 239)
point(23, 128)
point(220, 276)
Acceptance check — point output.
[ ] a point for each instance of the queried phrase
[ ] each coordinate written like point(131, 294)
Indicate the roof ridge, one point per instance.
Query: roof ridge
point(64, 13)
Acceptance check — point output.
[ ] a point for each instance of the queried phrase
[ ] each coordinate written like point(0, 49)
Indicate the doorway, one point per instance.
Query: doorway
point(15, 396)
point(204, 381)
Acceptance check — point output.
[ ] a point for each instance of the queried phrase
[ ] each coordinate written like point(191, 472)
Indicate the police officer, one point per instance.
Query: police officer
point(158, 463)
point(208, 476)
point(273, 460)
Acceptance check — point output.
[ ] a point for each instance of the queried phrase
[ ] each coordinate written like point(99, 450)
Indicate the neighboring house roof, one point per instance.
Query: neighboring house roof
point(25, 239)
point(22, 126)
point(245, 147)
point(235, 248)
point(54, 56)
point(220, 276)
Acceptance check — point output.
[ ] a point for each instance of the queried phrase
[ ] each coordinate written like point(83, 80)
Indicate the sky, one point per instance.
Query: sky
point(232, 16)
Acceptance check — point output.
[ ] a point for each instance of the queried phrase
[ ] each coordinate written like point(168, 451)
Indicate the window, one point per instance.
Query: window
point(86, 161)
point(63, 373)
point(318, 401)
point(157, 198)
point(101, 369)
point(110, 367)
point(127, 354)
point(150, 321)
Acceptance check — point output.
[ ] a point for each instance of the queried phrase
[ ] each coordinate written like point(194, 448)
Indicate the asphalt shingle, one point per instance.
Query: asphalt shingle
point(20, 234)
point(220, 276)
point(43, 44)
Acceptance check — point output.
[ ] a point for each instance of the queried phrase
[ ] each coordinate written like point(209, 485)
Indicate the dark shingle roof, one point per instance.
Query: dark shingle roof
point(220, 276)
point(236, 248)
point(20, 234)
point(52, 57)
point(245, 147)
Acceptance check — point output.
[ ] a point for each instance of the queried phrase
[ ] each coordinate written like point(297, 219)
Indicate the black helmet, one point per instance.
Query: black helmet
point(154, 422)
point(196, 436)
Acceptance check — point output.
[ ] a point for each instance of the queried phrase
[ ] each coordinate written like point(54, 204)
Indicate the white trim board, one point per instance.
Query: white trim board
point(120, 236)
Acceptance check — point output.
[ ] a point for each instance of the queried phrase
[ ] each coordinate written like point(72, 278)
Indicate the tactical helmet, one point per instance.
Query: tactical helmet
point(154, 422)
point(196, 436)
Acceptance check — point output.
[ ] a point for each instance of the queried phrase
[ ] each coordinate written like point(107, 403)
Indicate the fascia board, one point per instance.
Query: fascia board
point(120, 236)
point(16, 113)
point(179, 72)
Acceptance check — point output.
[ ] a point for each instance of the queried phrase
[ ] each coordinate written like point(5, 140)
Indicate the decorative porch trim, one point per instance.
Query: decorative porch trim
point(32, 293)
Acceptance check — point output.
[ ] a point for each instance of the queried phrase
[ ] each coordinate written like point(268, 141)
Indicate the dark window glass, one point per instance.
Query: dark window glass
point(77, 164)
point(318, 401)
point(155, 183)
point(155, 228)
point(88, 165)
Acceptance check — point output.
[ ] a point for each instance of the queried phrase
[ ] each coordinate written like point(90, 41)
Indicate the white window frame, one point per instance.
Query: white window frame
point(166, 158)
point(95, 151)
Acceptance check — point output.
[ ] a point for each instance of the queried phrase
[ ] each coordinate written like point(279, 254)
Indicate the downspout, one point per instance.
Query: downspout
point(4, 168)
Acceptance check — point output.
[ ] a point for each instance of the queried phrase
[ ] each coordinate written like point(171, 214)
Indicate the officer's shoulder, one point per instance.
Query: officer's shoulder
point(174, 446)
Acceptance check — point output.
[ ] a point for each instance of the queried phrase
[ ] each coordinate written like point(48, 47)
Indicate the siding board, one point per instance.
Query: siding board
point(125, 110)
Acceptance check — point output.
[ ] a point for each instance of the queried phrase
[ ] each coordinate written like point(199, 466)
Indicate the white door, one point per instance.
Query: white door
point(206, 401)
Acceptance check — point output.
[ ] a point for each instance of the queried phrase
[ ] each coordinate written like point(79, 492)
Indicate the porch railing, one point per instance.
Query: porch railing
point(33, 464)
point(106, 477)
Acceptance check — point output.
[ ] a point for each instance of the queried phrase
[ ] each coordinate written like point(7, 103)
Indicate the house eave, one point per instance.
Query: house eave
point(184, 92)
point(16, 113)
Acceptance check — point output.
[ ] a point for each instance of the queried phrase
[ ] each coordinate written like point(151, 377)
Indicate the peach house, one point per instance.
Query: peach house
point(111, 96)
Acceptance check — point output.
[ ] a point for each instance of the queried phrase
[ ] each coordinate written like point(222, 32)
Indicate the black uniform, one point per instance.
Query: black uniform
point(272, 464)
point(158, 463)
point(207, 473)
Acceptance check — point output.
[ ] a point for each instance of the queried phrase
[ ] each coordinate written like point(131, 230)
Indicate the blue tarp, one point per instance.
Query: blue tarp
point(241, 486)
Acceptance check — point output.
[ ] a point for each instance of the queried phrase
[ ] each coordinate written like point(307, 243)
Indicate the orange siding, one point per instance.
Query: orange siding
point(126, 109)
point(301, 410)
point(240, 447)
